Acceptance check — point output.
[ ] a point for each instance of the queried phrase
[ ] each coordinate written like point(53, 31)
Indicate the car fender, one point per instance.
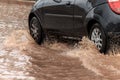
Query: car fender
point(94, 16)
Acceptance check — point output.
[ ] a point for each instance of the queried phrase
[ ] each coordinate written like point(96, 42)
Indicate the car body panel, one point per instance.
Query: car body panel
point(58, 16)
point(81, 9)
point(72, 17)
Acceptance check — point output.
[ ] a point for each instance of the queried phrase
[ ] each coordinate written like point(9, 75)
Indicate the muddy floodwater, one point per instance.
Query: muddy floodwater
point(22, 59)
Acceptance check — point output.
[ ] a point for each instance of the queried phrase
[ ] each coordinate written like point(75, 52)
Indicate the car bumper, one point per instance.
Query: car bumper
point(111, 23)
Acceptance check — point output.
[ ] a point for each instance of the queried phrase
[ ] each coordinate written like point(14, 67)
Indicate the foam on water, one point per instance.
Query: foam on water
point(19, 41)
point(14, 64)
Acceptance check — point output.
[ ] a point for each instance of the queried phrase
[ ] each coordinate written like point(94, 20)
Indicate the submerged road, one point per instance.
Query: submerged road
point(22, 59)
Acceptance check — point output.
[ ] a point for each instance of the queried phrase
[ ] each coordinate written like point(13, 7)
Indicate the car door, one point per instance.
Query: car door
point(58, 16)
point(81, 9)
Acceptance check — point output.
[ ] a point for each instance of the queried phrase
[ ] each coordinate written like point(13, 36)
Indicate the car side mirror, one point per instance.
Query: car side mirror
point(58, 1)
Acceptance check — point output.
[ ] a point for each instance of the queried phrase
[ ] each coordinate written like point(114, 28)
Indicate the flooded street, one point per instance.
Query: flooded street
point(22, 59)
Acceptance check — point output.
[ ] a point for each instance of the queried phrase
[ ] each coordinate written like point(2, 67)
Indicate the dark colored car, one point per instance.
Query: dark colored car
point(73, 19)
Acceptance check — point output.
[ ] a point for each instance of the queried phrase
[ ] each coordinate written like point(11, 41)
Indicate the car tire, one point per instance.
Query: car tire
point(36, 30)
point(98, 36)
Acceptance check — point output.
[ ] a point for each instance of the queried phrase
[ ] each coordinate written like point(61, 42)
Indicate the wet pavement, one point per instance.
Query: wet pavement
point(22, 59)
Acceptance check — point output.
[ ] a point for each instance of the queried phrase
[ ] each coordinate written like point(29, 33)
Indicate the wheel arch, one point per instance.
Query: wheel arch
point(90, 24)
point(30, 17)
point(89, 27)
point(92, 18)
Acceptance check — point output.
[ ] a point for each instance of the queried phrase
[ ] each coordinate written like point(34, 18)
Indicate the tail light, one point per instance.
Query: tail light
point(114, 5)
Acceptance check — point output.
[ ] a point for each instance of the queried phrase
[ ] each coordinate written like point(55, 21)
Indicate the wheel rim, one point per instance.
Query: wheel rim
point(96, 37)
point(34, 28)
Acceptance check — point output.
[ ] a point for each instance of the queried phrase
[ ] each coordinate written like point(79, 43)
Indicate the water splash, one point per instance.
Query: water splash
point(92, 59)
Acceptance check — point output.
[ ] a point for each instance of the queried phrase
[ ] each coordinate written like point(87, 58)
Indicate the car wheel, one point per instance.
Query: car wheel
point(36, 30)
point(97, 35)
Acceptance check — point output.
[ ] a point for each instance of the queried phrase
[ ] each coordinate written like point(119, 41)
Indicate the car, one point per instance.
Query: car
point(99, 20)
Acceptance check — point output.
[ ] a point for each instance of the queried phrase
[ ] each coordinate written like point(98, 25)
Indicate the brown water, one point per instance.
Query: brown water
point(22, 59)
